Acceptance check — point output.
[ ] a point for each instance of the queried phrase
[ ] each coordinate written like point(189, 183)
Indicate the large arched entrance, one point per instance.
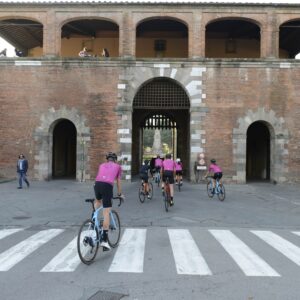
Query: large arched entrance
point(64, 150)
point(258, 152)
point(160, 122)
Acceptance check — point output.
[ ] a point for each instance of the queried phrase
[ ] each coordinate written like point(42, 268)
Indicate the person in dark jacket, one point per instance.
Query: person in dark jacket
point(22, 167)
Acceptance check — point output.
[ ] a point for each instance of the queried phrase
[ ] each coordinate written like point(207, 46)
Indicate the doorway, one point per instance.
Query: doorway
point(258, 152)
point(64, 150)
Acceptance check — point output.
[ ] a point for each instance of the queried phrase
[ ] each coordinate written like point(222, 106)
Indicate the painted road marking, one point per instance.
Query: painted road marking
point(66, 260)
point(188, 258)
point(130, 252)
point(6, 232)
point(12, 256)
point(285, 247)
point(250, 263)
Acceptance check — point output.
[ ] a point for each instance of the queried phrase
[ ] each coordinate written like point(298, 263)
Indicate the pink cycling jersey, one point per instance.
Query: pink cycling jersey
point(178, 166)
point(215, 168)
point(108, 172)
point(158, 162)
point(168, 165)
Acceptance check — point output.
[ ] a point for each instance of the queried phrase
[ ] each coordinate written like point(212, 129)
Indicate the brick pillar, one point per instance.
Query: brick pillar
point(51, 36)
point(196, 41)
point(269, 38)
point(127, 36)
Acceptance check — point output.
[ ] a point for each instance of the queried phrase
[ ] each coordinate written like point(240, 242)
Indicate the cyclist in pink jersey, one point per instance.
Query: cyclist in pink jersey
point(217, 173)
point(168, 171)
point(178, 168)
point(107, 174)
point(158, 163)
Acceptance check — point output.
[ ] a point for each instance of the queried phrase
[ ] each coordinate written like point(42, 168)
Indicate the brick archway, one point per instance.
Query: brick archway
point(278, 144)
point(44, 138)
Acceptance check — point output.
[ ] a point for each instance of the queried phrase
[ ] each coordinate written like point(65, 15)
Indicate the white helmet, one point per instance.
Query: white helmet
point(178, 159)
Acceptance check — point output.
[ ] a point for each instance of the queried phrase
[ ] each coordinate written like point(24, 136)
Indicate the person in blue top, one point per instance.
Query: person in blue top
point(22, 167)
point(144, 175)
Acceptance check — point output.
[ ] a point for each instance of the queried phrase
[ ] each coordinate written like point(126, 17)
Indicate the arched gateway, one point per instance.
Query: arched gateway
point(161, 104)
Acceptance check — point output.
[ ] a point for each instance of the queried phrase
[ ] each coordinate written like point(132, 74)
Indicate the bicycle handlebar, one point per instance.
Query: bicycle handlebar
point(121, 198)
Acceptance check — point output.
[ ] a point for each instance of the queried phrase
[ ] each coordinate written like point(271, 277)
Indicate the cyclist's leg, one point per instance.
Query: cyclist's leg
point(98, 195)
point(107, 193)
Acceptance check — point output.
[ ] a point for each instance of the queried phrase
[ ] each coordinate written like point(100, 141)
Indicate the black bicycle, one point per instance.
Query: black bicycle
point(143, 194)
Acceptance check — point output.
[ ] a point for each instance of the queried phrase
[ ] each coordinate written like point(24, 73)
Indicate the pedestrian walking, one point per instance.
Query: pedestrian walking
point(22, 167)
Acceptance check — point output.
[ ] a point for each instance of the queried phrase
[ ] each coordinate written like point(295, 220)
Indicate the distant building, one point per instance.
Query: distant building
point(222, 76)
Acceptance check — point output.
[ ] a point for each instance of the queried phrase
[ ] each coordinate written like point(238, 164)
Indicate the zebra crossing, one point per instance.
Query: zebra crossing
point(187, 256)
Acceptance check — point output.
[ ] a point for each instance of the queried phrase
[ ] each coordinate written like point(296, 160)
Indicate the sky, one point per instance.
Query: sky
point(10, 49)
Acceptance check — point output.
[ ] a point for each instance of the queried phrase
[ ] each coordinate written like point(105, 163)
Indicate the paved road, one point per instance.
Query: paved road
point(247, 247)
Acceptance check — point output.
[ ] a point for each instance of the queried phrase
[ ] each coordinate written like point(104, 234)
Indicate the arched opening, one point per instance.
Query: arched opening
point(64, 150)
point(92, 34)
point(160, 122)
point(258, 152)
point(161, 37)
point(23, 34)
point(289, 39)
point(232, 39)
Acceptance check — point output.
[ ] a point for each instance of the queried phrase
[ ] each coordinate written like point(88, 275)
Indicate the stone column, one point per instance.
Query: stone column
point(196, 40)
point(269, 38)
point(127, 36)
point(51, 36)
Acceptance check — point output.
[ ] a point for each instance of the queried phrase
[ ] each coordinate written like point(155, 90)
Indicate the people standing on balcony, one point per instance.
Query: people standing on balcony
point(105, 52)
point(84, 53)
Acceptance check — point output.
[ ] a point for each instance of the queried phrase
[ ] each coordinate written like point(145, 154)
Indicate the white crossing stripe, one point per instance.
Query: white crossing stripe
point(296, 232)
point(285, 247)
point(6, 232)
point(130, 252)
point(12, 256)
point(66, 260)
point(188, 258)
point(250, 263)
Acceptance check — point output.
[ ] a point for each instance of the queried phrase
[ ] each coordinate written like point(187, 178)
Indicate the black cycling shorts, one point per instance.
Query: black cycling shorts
point(218, 175)
point(104, 192)
point(170, 175)
point(144, 177)
point(179, 172)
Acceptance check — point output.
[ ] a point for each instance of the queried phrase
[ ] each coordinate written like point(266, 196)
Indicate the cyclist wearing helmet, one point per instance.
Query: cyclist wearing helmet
point(158, 163)
point(107, 174)
point(168, 171)
point(144, 175)
point(217, 172)
point(178, 168)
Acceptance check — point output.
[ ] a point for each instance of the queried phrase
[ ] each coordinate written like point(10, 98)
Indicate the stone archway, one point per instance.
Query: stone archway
point(278, 144)
point(44, 143)
point(189, 79)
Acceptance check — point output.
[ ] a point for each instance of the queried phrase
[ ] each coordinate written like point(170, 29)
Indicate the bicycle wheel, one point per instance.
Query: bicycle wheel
point(210, 190)
point(166, 201)
point(179, 186)
point(197, 176)
point(150, 190)
point(114, 231)
point(142, 194)
point(221, 192)
point(87, 242)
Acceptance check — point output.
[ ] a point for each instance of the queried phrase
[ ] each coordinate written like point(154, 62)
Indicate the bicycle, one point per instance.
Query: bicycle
point(167, 195)
point(179, 184)
point(157, 177)
point(90, 232)
point(219, 189)
point(142, 194)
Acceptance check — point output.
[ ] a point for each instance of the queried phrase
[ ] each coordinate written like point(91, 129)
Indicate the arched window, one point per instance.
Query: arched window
point(232, 38)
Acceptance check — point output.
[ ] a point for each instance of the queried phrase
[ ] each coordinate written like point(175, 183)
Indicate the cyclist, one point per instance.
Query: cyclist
point(107, 174)
point(217, 173)
point(158, 163)
point(168, 170)
point(144, 175)
point(178, 168)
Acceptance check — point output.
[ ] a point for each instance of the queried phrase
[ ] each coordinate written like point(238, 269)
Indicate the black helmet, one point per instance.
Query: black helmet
point(168, 155)
point(111, 155)
point(146, 161)
point(213, 160)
